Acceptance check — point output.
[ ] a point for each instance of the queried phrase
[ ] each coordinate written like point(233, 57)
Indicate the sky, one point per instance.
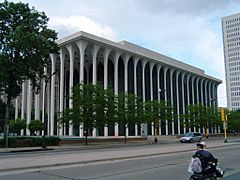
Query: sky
point(187, 30)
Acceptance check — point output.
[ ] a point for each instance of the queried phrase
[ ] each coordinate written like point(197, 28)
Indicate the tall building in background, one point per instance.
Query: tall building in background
point(231, 44)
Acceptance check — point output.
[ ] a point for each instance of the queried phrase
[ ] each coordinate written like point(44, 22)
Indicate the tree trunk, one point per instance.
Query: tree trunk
point(6, 119)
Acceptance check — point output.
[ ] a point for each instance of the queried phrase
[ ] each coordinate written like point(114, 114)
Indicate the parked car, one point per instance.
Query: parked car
point(191, 137)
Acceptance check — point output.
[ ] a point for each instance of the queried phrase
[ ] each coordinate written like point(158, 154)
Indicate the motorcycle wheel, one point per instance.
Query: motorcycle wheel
point(193, 177)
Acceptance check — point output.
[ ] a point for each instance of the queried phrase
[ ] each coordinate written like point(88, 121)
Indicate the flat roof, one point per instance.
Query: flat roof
point(138, 51)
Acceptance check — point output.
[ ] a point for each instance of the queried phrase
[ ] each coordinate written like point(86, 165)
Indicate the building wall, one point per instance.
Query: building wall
point(125, 67)
point(231, 44)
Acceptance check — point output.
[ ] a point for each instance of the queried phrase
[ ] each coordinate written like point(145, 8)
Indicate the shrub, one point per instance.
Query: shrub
point(29, 141)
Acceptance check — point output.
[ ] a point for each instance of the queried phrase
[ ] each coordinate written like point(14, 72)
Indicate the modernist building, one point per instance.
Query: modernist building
point(125, 67)
point(231, 44)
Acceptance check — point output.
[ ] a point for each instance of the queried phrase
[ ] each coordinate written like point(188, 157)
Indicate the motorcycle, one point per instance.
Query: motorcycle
point(212, 172)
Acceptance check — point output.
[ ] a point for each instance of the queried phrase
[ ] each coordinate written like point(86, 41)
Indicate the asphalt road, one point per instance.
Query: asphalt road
point(160, 167)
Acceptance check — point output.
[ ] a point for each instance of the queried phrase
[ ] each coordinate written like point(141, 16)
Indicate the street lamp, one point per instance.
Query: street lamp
point(44, 143)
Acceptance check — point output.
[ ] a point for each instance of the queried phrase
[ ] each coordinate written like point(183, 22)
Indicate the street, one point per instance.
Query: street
point(165, 166)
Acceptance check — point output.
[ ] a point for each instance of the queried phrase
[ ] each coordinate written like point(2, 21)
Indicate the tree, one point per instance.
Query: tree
point(156, 111)
point(25, 44)
point(15, 126)
point(35, 126)
point(234, 121)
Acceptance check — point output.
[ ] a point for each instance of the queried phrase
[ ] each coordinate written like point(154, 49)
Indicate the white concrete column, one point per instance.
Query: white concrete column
point(205, 89)
point(106, 54)
point(193, 97)
point(126, 59)
point(116, 58)
point(178, 105)
point(165, 93)
point(52, 105)
point(144, 62)
point(23, 100)
point(201, 84)
point(151, 89)
point(71, 56)
point(62, 58)
point(29, 104)
point(16, 108)
point(43, 96)
point(135, 85)
point(158, 91)
point(48, 108)
point(171, 90)
point(82, 45)
point(37, 106)
point(94, 54)
point(211, 103)
point(183, 102)
point(197, 82)
point(188, 98)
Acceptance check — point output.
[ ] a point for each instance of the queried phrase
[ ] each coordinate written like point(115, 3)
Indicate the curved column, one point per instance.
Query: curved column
point(183, 102)
point(165, 93)
point(16, 108)
point(151, 89)
point(29, 104)
point(193, 97)
point(197, 83)
point(61, 87)
point(52, 105)
point(105, 56)
point(171, 91)
point(36, 106)
point(43, 96)
point(158, 90)
point(116, 57)
point(144, 62)
point(94, 54)
point(126, 59)
point(23, 100)
point(177, 96)
point(201, 84)
point(136, 59)
point(82, 46)
point(71, 54)
point(188, 98)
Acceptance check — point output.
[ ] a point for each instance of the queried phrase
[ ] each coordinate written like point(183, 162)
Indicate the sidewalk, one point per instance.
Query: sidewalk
point(38, 160)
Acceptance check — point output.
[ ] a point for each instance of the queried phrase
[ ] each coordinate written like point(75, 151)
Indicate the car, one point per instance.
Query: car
point(191, 137)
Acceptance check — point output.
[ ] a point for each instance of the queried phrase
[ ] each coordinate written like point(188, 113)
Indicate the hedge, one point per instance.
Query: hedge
point(29, 141)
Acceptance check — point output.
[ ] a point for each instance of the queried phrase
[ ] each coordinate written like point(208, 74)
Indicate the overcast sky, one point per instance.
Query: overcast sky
point(187, 30)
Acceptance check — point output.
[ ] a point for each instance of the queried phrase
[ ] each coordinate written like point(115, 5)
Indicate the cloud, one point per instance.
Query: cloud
point(72, 24)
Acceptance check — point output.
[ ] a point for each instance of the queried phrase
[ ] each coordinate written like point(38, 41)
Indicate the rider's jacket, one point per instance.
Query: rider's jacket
point(205, 157)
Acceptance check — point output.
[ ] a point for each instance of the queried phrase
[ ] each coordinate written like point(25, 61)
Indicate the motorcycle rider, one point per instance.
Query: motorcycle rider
point(206, 158)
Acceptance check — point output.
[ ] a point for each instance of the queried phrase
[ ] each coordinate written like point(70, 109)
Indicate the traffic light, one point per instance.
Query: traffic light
point(222, 114)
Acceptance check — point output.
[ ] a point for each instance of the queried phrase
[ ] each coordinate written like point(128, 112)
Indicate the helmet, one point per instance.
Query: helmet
point(201, 145)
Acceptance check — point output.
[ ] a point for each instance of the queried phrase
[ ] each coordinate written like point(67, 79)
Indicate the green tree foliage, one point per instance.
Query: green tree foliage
point(25, 44)
point(15, 126)
point(202, 116)
point(234, 121)
point(35, 126)
point(157, 111)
